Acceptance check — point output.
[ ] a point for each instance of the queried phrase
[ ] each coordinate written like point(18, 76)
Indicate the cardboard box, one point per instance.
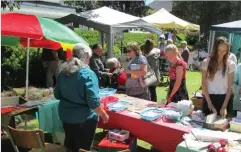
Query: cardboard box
point(12, 101)
point(218, 124)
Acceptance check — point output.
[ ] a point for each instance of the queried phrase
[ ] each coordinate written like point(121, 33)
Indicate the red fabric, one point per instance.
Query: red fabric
point(164, 136)
point(121, 79)
point(162, 53)
point(105, 100)
point(21, 25)
point(10, 109)
point(105, 143)
point(172, 70)
point(43, 43)
point(68, 54)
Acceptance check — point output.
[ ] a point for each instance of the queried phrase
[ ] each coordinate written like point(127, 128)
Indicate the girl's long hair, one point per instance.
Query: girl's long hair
point(213, 61)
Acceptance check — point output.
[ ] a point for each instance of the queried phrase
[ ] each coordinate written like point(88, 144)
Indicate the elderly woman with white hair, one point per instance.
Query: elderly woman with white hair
point(78, 91)
point(118, 79)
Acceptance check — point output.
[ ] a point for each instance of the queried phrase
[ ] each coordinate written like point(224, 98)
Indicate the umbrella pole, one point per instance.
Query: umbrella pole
point(27, 69)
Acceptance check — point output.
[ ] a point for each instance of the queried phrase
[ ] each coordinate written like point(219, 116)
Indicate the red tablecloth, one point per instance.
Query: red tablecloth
point(162, 135)
point(10, 109)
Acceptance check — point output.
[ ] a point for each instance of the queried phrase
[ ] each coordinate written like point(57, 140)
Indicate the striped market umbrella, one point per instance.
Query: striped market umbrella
point(34, 31)
point(17, 28)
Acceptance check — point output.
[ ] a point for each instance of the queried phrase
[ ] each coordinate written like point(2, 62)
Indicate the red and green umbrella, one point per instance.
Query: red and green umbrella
point(16, 28)
point(34, 31)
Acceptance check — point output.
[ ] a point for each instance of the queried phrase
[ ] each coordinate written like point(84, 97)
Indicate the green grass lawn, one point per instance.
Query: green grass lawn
point(193, 83)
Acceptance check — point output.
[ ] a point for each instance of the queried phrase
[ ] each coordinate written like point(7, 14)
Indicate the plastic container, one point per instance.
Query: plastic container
point(118, 135)
point(151, 114)
point(107, 92)
point(106, 100)
point(235, 126)
point(118, 106)
point(167, 114)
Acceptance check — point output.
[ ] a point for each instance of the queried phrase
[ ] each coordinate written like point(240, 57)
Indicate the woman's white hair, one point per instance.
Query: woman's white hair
point(81, 54)
point(111, 62)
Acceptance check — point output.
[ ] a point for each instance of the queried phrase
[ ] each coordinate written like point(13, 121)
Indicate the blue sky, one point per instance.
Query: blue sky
point(147, 2)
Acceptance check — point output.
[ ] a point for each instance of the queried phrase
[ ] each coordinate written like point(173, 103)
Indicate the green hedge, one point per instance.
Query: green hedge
point(92, 37)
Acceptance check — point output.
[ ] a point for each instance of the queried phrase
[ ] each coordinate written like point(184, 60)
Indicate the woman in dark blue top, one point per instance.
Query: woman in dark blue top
point(78, 91)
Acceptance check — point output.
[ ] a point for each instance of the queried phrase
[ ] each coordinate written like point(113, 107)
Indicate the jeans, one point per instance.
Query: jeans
point(79, 136)
point(152, 90)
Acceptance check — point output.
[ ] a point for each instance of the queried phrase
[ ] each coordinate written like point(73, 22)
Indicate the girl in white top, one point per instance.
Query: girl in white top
point(217, 78)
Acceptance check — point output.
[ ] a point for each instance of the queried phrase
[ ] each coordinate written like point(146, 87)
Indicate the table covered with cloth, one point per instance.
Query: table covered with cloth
point(192, 146)
point(49, 118)
point(164, 136)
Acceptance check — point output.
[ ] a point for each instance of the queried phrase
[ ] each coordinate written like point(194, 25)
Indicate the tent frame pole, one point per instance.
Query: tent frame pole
point(27, 69)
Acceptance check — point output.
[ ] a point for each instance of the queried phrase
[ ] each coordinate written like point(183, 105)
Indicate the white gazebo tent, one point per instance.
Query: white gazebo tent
point(231, 30)
point(164, 19)
point(108, 21)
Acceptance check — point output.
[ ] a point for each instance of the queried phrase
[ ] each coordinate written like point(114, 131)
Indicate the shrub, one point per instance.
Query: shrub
point(14, 63)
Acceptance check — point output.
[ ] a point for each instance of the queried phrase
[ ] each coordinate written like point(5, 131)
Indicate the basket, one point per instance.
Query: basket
point(106, 100)
point(154, 113)
point(197, 102)
point(235, 126)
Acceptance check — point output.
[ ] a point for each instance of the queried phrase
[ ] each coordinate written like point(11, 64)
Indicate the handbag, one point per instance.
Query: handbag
point(149, 79)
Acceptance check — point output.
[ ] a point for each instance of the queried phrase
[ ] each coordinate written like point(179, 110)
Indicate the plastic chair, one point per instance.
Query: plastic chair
point(31, 139)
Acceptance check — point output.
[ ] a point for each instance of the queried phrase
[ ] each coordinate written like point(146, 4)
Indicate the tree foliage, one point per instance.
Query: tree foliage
point(136, 8)
point(81, 5)
point(11, 5)
point(207, 13)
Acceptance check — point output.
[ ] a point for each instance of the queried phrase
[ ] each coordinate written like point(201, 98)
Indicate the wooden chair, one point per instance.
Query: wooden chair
point(31, 139)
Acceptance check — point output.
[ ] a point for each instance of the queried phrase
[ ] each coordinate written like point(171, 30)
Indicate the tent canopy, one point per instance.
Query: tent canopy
point(164, 19)
point(231, 26)
point(108, 20)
